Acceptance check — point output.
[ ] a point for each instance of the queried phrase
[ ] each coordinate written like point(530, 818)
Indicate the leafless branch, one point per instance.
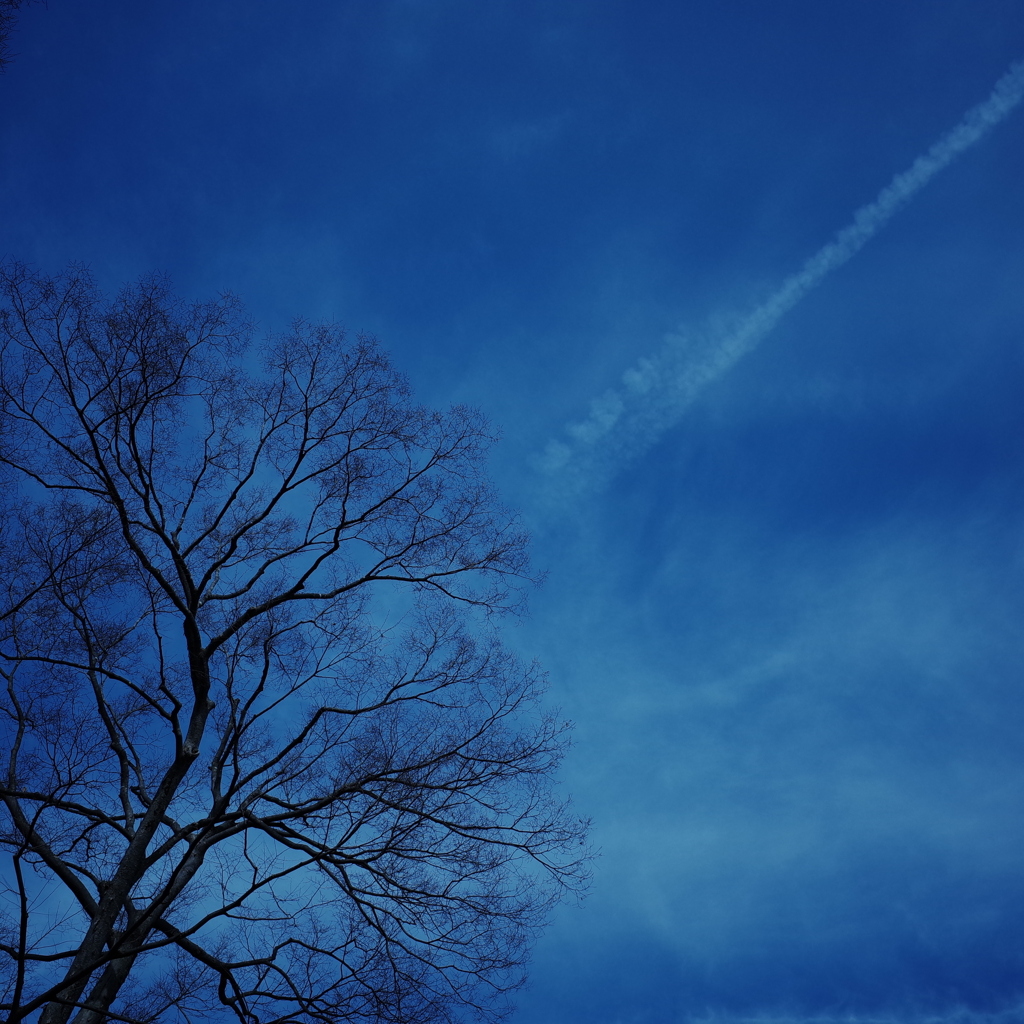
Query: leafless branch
point(267, 755)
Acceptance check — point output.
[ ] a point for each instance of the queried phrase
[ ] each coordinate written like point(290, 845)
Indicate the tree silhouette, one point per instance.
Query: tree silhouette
point(264, 751)
point(8, 19)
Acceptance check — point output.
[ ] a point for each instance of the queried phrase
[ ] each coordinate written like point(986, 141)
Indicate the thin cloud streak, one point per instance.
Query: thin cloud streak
point(657, 390)
point(960, 1015)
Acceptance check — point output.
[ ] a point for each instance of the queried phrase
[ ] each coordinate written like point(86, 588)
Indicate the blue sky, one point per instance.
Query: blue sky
point(788, 624)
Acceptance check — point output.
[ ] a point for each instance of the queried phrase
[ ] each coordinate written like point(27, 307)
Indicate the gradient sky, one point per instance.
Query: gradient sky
point(786, 580)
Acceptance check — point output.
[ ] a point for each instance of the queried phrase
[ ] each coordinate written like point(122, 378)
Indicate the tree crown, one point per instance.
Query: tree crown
point(262, 731)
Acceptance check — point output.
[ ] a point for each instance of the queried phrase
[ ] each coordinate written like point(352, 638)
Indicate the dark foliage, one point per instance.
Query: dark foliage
point(8, 21)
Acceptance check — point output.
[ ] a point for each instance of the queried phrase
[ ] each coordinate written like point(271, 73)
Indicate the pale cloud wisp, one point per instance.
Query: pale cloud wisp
point(657, 390)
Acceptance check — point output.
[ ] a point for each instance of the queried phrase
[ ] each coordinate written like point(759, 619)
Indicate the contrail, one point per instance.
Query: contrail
point(656, 391)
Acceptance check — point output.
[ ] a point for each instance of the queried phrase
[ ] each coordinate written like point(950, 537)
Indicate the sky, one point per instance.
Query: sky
point(761, 415)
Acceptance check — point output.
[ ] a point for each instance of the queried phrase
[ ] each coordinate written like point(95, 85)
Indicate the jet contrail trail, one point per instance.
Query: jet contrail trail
point(656, 392)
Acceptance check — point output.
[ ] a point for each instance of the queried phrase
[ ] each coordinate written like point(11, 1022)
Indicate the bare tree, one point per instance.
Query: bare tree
point(8, 20)
point(265, 755)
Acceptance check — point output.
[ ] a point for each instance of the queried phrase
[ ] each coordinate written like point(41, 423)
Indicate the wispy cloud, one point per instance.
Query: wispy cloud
point(1011, 1015)
point(658, 389)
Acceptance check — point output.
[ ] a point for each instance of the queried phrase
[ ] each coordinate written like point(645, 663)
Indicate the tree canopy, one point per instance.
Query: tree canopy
point(265, 753)
point(8, 19)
